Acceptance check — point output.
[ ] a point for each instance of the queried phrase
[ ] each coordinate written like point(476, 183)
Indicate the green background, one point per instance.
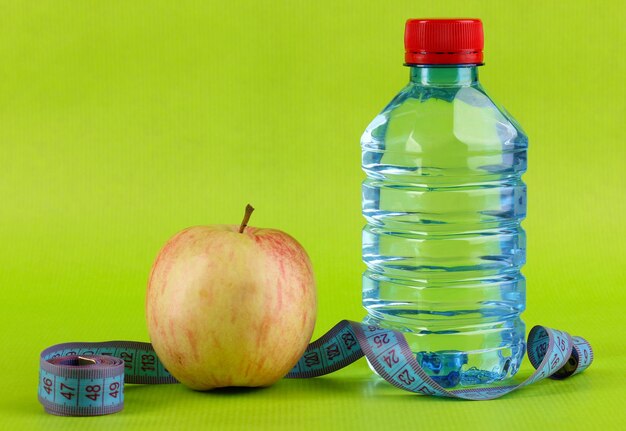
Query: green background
point(123, 122)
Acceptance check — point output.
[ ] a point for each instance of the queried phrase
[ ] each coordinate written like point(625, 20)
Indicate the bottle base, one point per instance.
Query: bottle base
point(496, 359)
point(469, 378)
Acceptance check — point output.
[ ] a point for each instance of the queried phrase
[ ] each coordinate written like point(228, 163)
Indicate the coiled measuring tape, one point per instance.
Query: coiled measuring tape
point(87, 379)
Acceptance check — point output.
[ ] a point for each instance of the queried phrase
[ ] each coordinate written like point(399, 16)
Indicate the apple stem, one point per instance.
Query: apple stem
point(246, 217)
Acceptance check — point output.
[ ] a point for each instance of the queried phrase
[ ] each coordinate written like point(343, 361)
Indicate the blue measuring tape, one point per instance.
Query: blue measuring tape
point(87, 379)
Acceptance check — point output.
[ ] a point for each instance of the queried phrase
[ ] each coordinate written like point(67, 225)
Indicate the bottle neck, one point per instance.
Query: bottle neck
point(445, 76)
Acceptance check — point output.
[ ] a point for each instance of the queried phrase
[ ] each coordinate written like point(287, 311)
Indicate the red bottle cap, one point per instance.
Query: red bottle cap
point(443, 41)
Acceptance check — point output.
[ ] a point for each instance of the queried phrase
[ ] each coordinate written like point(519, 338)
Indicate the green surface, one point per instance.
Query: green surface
point(123, 122)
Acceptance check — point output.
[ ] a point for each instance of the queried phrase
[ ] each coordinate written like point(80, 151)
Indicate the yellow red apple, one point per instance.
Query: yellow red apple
point(230, 305)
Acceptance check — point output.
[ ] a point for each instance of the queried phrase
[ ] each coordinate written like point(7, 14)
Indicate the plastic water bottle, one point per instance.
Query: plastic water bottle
point(444, 200)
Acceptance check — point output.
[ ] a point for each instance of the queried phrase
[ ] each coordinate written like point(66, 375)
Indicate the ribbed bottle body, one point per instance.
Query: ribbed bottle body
point(443, 245)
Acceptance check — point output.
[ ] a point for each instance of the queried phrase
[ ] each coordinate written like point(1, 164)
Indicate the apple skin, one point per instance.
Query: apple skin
point(225, 308)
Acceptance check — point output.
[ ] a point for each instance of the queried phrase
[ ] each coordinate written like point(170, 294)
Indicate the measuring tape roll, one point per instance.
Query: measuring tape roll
point(87, 379)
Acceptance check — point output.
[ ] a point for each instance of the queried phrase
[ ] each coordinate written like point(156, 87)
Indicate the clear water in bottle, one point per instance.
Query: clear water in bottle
point(443, 200)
